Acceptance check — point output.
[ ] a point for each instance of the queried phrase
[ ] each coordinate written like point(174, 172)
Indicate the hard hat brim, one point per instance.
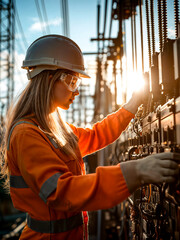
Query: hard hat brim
point(38, 69)
point(52, 52)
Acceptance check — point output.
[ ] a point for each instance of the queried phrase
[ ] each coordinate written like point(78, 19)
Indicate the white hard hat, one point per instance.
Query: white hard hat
point(53, 52)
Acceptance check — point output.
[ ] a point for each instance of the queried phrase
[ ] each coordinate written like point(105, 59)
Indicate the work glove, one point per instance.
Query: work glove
point(140, 96)
point(135, 101)
point(156, 168)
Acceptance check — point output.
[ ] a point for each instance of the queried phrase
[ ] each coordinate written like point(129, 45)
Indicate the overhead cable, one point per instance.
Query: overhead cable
point(45, 16)
point(40, 17)
point(65, 17)
point(20, 27)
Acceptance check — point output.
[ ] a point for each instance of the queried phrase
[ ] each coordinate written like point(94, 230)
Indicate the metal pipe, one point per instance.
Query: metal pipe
point(13, 47)
point(152, 26)
point(141, 31)
point(67, 18)
point(65, 15)
point(105, 17)
point(148, 31)
point(132, 35)
point(121, 47)
point(98, 24)
point(115, 84)
point(125, 51)
point(110, 26)
point(120, 18)
point(135, 47)
point(98, 75)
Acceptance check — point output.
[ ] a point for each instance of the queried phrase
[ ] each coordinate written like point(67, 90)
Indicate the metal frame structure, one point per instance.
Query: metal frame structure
point(7, 29)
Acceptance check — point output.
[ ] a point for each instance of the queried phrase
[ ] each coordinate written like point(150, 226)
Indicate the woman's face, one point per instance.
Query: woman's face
point(62, 96)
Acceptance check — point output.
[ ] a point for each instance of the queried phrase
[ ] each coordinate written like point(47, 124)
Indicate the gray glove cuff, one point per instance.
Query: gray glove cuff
point(129, 170)
point(132, 106)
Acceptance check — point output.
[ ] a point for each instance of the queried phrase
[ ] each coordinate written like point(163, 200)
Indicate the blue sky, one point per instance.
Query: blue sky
point(82, 23)
point(82, 18)
point(83, 27)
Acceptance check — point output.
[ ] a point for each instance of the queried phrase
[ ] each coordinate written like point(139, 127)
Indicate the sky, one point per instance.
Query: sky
point(83, 27)
point(82, 24)
point(82, 19)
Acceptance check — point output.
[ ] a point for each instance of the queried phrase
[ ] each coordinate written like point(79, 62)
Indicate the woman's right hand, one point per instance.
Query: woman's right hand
point(156, 168)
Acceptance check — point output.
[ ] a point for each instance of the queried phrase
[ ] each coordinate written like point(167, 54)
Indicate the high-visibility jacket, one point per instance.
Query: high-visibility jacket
point(52, 188)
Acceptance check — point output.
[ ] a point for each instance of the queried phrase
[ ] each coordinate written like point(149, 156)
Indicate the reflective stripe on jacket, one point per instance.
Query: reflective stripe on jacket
point(53, 188)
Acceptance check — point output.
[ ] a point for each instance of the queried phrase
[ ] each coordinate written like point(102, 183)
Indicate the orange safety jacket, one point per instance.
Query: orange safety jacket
point(52, 188)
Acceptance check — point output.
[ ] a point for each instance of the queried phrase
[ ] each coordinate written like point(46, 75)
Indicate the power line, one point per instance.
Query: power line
point(20, 27)
point(65, 16)
point(45, 16)
point(40, 16)
point(21, 47)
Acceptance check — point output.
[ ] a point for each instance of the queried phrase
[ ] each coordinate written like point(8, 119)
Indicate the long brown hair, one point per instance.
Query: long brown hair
point(36, 100)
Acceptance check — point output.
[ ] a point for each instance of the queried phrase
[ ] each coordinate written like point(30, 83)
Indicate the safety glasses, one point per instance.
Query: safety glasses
point(71, 82)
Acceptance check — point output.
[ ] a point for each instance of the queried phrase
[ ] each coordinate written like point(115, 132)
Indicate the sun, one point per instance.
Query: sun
point(135, 82)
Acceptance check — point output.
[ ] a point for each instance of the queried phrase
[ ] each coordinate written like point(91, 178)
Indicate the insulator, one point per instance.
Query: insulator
point(152, 25)
point(160, 24)
point(164, 8)
point(176, 16)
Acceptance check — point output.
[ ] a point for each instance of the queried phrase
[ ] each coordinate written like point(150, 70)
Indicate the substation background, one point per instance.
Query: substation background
point(134, 47)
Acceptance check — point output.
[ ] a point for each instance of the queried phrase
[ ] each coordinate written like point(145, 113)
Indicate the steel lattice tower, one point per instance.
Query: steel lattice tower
point(7, 30)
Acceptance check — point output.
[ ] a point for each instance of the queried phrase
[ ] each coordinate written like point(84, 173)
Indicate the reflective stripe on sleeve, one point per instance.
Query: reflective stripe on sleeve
point(49, 186)
point(18, 182)
point(56, 226)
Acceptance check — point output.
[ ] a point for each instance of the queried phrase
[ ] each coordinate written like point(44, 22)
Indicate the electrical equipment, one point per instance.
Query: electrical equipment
point(166, 70)
point(154, 80)
point(154, 210)
point(151, 212)
point(177, 120)
point(176, 52)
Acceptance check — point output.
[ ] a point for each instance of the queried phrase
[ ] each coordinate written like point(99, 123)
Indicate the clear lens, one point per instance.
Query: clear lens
point(72, 82)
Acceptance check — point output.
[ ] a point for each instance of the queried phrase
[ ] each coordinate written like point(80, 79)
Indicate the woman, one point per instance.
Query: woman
point(43, 159)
